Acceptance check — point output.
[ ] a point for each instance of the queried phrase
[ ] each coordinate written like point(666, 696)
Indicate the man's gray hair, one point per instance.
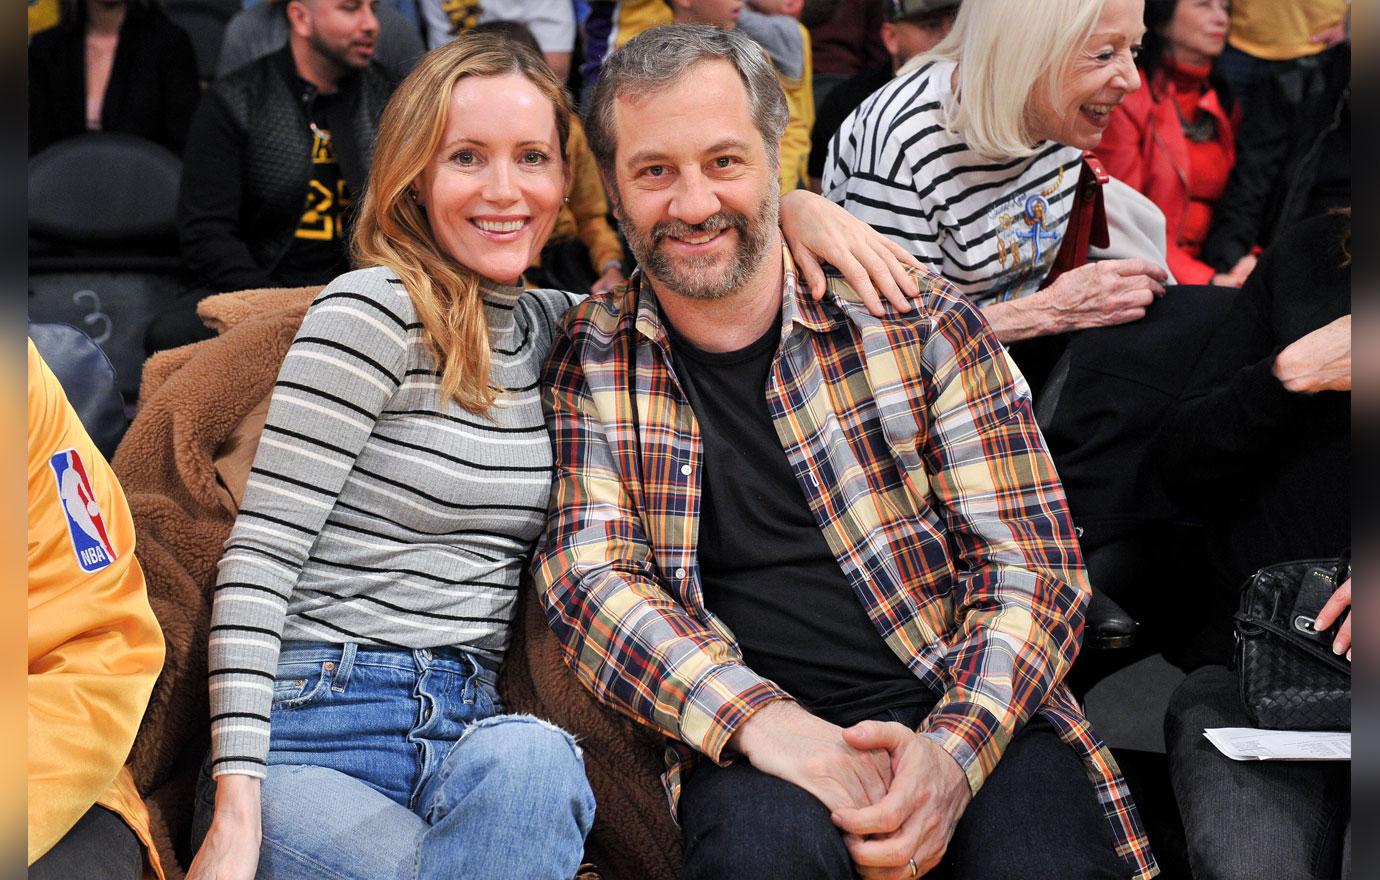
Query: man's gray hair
point(658, 57)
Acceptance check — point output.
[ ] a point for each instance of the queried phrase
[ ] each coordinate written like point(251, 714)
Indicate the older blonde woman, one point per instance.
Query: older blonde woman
point(363, 603)
point(970, 159)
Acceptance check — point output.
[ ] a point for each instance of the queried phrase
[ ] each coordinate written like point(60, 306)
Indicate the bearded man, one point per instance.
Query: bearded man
point(825, 554)
point(279, 150)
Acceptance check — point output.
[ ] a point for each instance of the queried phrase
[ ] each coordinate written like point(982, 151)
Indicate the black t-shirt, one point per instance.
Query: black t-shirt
point(766, 568)
point(318, 250)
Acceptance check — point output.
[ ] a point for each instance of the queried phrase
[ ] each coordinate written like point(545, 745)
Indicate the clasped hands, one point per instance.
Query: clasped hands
point(894, 794)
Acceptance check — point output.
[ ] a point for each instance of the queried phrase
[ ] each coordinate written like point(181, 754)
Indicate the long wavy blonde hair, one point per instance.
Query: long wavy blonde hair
point(393, 231)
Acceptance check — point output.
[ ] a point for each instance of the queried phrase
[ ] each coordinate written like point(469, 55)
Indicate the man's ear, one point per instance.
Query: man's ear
point(889, 38)
point(298, 18)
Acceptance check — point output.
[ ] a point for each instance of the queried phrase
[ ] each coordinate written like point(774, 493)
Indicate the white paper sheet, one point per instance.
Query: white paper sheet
point(1252, 744)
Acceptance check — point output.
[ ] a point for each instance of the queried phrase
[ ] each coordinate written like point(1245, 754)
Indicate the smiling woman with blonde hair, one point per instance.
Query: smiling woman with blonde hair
point(365, 595)
point(364, 601)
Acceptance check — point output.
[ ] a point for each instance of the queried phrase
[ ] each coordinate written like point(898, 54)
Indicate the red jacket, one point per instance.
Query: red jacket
point(1144, 146)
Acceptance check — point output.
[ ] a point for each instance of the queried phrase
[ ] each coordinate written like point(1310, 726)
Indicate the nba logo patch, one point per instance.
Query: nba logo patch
point(90, 542)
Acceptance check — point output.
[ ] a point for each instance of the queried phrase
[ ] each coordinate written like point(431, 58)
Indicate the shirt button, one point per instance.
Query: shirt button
point(685, 470)
point(680, 574)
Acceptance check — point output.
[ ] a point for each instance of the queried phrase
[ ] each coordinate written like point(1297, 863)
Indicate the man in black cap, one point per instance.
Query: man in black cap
point(911, 27)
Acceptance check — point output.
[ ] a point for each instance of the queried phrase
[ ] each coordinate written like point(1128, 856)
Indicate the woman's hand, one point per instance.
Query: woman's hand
point(818, 231)
point(1334, 607)
point(1317, 361)
point(1098, 294)
point(231, 848)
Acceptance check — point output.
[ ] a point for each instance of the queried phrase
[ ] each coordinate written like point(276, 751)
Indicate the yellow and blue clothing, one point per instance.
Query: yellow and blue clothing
point(611, 24)
point(95, 647)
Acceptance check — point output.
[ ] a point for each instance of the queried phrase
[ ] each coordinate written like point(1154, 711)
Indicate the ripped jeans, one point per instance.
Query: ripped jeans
point(392, 764)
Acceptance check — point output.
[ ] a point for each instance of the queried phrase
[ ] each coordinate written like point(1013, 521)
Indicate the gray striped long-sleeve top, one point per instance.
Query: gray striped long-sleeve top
point(374, 512)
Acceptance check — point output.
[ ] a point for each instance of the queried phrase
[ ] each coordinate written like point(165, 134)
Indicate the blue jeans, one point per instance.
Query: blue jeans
point(389, 763)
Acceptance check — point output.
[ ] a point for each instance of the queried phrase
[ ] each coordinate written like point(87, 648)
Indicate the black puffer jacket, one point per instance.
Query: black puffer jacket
point(1292, 157)
point(248, 164)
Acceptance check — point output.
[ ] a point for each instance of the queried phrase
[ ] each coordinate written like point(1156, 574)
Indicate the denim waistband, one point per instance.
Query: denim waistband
point(349, 653)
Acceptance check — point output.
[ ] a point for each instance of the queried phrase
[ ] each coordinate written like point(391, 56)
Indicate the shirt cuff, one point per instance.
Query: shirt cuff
point(720, 702)
point(239, 768)
point(971, 737)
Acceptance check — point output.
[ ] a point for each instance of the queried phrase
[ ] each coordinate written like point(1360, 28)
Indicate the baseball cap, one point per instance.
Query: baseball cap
point(898, 10)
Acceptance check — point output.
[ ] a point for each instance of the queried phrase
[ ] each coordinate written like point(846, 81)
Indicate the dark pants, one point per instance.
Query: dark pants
point(1245, 820)
point(100, 846)
point(1036, 816)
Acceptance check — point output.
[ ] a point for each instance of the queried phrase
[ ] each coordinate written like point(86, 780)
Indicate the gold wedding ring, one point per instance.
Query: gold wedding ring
point(914, 871)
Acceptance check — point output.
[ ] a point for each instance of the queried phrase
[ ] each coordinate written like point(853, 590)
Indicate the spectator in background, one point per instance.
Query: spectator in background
point(846, 42)
point(1259, 443)
point(1173, 139)
point(280, 149)
point(911, 27)
point(584, 253)
point(262, 28)
point(277, 153)
point(1269, 36)
point(1260, 446)
point(1293, 156)
point(94, 651)
point(972, 160)
point(788, 44)
point(552, 23)
point(113, 65)
point(611, 24)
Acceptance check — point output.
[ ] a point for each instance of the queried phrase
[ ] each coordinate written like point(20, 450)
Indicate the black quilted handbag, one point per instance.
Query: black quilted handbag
point(1290, 679)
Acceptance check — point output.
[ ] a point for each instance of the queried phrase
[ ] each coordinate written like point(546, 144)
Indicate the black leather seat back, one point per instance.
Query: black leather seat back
point(88, 378)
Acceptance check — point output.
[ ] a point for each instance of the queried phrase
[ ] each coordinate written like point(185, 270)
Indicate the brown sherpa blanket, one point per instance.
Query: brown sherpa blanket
point(197, 402)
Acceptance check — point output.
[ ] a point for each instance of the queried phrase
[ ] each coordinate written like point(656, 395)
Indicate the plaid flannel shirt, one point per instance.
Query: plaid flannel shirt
point(915, 443)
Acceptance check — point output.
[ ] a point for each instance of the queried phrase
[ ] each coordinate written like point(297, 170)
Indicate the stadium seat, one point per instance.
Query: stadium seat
point(103, 242)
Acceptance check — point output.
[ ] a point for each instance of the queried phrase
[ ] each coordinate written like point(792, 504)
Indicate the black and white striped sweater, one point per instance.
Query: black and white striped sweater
point(990, 226)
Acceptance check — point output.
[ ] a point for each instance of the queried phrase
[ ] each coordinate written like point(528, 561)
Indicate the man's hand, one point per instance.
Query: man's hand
point(1318, 361)
point(916, 818)
point(819, 231)
point(785, 741)
point(1336, 606)
point(612, 277)
point(1099, 294)
point(231, 848)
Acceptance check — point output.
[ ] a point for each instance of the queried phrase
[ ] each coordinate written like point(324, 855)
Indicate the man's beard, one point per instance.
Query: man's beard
point(342, 60)
point(700, 277)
